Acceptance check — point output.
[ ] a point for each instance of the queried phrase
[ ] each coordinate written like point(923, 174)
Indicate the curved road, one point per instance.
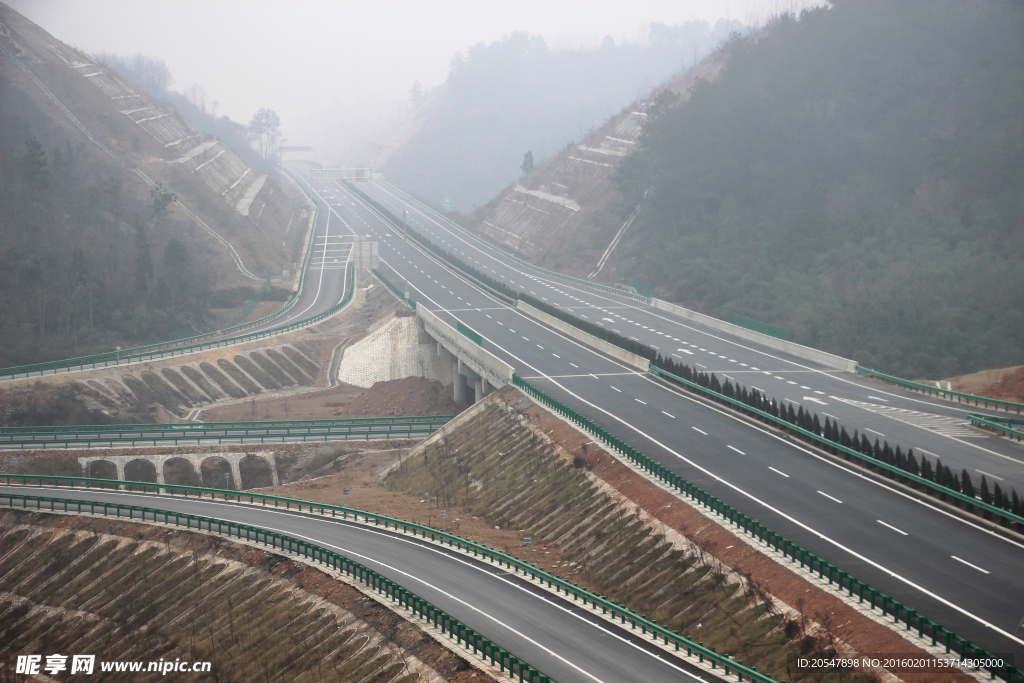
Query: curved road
point(552, 634)
point(951, 570)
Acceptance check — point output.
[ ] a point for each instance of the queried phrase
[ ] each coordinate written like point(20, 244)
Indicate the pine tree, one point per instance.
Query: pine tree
point(791, 415)
point(926, 469)
point(986, 497)
point(816, 425)
point(997, 498)
point(966, 485)
point(951, 479)
point(912, 463)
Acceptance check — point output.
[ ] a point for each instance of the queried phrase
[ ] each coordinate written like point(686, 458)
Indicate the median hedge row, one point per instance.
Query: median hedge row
point(834, 432)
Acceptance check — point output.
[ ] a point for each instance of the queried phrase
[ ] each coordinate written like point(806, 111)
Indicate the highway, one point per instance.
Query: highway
point(554, 635)
point(952, 570)
point(929, 425)
point(324, 285)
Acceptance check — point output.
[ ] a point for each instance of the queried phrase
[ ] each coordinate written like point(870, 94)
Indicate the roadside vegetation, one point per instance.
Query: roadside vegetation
point(128, 592)
point(498, 468)
point(854, 176)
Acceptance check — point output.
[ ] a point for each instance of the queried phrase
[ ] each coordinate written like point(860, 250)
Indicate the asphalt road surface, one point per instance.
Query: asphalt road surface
point(951, 570)
point(552, 634)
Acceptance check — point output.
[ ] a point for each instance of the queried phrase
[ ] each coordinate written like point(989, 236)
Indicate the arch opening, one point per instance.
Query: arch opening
point(256, 472)
point(140, 470)
point(216, 473)
point(101, 469)
point(180, 471)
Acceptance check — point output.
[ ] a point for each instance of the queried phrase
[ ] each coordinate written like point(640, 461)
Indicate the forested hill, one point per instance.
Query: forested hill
point(855, 176)
point(120, 223)
point(518, 95)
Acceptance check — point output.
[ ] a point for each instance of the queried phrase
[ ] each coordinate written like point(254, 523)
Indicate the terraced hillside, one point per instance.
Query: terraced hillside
point(129, 592)
point(498, 465)
point(572, 199)
point(220, 192)
point(120, 221)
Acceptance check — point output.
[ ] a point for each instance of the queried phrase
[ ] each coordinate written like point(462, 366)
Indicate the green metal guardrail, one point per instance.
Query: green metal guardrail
point(561, 276)
point(393, 289)
point(960, 396)
point(469, 333)
point(139, 352)
point(229, 425)
point(411, 602)
point(748, 525)
point(194, 348)
point(1004, 515)
point(1006, 426)
point(360, 428)
point(611, 609)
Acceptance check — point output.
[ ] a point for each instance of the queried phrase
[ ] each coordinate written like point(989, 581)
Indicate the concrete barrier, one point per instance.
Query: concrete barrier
point(590, 340)
point(774, 343)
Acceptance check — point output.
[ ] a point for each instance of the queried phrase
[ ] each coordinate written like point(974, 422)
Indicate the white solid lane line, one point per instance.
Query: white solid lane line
point(790, 517)
point(892, 527)
point(778, 472)
point(830, 497)
point(972, 566)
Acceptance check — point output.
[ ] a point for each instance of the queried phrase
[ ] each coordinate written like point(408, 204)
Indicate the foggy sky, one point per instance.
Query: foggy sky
point(311, 60)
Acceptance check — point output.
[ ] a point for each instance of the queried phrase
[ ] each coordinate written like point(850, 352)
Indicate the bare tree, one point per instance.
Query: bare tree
point(196, 95)
point(265, 132)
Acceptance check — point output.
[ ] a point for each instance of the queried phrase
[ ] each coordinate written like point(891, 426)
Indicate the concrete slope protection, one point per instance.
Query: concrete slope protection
point(939, 428)
point(553, 634)
point(889, 538)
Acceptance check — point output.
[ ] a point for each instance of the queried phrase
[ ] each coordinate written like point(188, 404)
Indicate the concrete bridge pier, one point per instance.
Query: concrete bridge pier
point(236, 473)
point(459, 386)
